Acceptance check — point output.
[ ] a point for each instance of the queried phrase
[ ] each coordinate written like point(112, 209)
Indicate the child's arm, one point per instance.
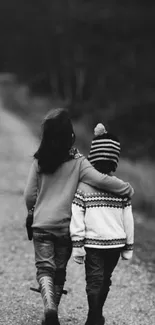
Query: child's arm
point(29, 222)
point(30, 192)
point(89, 175)
point(77, 227)
point(128, 222)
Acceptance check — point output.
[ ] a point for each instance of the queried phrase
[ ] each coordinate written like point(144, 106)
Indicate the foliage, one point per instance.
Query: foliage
point(97, 55)
point(83, 49)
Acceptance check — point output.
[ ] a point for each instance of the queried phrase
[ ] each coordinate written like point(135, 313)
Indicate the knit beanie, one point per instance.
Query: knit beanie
point(104, 146)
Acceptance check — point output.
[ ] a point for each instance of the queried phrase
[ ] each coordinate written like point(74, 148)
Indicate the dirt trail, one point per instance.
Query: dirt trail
point(132, 297)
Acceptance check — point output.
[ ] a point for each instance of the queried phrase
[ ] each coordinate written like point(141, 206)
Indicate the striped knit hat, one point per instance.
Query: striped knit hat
point(104, 146)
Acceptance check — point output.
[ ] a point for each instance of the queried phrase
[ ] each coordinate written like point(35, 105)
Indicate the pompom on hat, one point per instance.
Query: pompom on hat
point(104, 146)
point(99, 129)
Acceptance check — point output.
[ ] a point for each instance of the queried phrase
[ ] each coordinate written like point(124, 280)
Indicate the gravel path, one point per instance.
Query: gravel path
point(132, 296)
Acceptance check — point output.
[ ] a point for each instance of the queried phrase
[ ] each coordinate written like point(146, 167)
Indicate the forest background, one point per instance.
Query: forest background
point(97, 59)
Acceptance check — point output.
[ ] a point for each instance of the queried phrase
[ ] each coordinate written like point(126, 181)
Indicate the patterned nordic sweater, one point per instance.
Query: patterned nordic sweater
point(52, 194)
point(101, 220)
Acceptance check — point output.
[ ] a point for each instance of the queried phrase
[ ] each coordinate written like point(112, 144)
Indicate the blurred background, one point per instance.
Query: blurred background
point(96, 58)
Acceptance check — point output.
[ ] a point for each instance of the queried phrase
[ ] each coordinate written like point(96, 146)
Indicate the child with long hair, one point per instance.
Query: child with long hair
point(52, 182)
point(102, 226)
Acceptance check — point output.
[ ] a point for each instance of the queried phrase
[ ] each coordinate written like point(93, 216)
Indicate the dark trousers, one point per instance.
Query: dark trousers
point(51, 255)
point(99, 265)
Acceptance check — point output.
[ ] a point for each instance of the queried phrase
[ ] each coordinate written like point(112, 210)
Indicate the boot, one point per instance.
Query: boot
point(48, 296)
point(50, 318)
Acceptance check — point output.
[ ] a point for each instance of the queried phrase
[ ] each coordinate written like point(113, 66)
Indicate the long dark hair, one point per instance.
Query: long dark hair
point(57, 140)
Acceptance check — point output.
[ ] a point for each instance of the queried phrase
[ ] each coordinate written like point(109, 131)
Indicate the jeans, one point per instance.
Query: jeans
point(51, 255)
point(99, 265)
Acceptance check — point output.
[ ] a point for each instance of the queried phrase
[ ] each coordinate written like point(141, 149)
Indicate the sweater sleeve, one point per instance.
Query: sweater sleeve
point(30, 192)
point(89, 175)
point(77, 225)
point(128, 222)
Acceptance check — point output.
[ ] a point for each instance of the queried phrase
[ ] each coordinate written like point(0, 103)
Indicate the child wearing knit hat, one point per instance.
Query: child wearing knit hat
point(53, 179)
point(102, 226)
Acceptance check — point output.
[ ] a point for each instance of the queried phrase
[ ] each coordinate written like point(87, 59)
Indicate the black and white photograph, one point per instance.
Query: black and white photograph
point(77, 162)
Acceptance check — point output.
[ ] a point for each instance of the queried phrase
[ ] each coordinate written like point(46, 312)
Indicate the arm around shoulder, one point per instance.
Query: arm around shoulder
point(89, 175)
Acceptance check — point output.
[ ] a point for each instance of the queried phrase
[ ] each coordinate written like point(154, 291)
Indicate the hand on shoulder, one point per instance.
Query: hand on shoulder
point(75, 153)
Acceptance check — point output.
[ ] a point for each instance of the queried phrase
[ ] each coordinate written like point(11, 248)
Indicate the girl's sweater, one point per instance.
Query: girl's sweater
point(101, 220)
point(52, 194)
